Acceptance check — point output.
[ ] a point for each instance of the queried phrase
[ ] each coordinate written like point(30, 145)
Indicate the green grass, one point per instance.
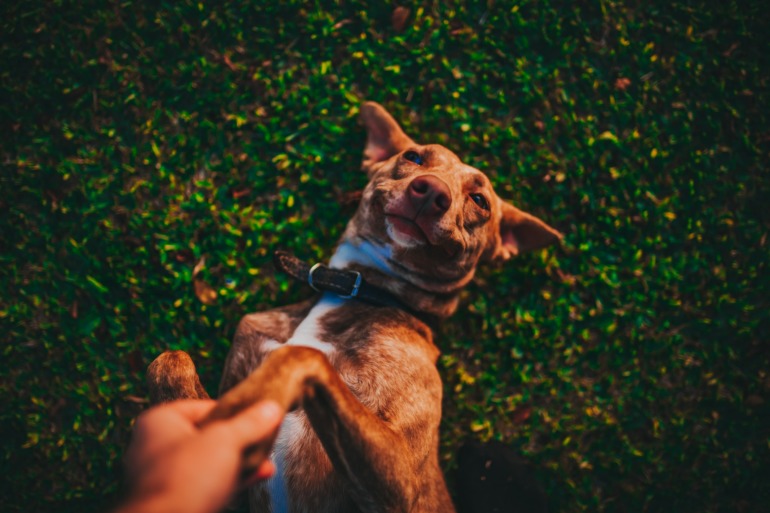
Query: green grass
point(630, 365)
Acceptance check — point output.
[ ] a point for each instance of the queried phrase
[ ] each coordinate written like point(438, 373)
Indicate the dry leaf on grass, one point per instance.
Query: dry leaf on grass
point(205, 292)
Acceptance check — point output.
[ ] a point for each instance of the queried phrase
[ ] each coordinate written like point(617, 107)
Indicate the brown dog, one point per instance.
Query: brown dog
point(358, 375)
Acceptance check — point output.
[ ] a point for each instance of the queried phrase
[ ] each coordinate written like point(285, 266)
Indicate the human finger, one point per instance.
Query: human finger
point(161, 427)
point(193, 410)
point(250, 426)
point(187, 411)
point(265, 470)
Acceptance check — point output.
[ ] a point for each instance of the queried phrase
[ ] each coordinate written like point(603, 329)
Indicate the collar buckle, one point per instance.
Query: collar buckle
point(354, 291)
point(310, 276)
point(356, 287)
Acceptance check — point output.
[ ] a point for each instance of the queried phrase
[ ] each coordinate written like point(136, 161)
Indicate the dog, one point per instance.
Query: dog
point(355, 366)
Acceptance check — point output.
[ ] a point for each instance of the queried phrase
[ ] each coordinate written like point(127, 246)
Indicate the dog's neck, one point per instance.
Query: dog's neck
point(375, 265)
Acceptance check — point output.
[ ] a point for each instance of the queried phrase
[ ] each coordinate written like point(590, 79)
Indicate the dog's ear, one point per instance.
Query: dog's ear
point(520, 232)
point(384, 137)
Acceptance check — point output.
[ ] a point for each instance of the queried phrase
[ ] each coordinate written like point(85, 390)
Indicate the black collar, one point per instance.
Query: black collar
point(346, 284)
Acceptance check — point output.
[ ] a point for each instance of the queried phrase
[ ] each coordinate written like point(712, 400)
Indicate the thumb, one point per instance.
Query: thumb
point(252, 425)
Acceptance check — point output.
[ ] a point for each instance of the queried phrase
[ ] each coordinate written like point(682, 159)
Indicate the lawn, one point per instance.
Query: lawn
point(153, 157)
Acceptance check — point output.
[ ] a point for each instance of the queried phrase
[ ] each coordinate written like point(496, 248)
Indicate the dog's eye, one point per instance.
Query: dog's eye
point(413, 156)
point(480, 200)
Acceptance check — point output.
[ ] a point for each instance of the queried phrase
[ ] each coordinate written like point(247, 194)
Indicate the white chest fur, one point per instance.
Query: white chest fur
point(308, 334)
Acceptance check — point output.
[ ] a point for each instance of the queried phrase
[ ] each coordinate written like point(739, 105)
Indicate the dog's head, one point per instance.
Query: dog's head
point(434, 217)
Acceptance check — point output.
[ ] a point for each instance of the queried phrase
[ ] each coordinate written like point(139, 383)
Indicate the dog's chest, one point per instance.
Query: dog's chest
point(365, 352)
point(311, 332)
point(295, 437)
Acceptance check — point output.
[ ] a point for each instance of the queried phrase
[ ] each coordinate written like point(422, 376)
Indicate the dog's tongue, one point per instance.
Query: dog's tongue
point(410, 228)
point(423, 228)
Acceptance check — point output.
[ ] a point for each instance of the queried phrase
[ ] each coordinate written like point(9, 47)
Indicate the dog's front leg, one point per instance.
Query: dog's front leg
point(374, 458)
point(368, 451)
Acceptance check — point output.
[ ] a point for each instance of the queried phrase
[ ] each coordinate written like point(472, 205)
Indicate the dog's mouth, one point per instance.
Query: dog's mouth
point(409, 234)
point(405, 226)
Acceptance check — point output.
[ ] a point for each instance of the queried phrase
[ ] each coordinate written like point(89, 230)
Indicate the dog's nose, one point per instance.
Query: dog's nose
point(430, 194)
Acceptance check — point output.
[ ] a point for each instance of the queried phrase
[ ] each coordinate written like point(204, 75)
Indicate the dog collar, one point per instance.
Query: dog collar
point(346, 284)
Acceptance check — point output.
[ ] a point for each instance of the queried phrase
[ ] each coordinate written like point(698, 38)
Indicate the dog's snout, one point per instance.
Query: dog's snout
point(430, 194)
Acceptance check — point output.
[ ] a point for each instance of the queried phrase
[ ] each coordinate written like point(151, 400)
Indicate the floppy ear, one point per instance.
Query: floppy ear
point(384, 138)
point(520, 232)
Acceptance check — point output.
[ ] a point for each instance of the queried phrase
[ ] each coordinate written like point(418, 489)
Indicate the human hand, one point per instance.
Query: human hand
point(175, 466)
